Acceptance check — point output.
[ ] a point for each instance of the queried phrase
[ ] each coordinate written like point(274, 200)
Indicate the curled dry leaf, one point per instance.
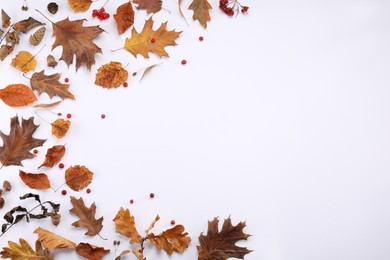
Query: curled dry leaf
point(201, 11)
point(17, 95)
point(50, 85)
point(25, 252)
point(151, 6)
point(24, 62)
point(37, 37)
point(5, 50)
point(60, 127)
point(37, 181)
point(78, 177)
point(18, 144)
point(6, 20)
point(147, 70)
point(173, 239)
point(12, 38)
point(86, 216)
point(80, 5)
point(111, 75)
point(76, 40)
point(53, 156)
point(157, 218)
point(48, 105)
point(53, 241)
point(141, 43)
point(124, 252)
point(125, 225)
point(222, 244)
point(91, 252)
point(26, 25)
point(124, 17)
point(138, 253)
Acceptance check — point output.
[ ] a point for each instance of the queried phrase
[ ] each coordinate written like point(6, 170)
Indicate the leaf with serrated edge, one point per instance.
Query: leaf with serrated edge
point(86, 216)
point(50, 85)
point(125, 225)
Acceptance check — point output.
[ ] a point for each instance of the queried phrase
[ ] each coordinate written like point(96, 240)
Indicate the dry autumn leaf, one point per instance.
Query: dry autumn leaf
point(25, 252)
point(50, 85)
point(60, 127)
point(80, 5)
point(18, 144)
point(49, 105)
point(86, 217)
point(151, 6)
point(78, 177)
point(24, 61)
point(37, 181)
point(53, 241)
point(6, 20)
point(91, 252)
point(124, 17)
point(111, 75)
point(201, 11)
point(5, 50)
point(76, 39)
point(26, 25)
point(138, 253)
point(53, 156)
point(17, 95)
point(125, 225)
point(123, 253)
point(141, 43)
point(173, 239)
point(222, 245)
point(147, 70)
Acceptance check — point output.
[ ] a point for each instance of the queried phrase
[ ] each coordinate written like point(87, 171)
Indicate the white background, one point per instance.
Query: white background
point(280, 118)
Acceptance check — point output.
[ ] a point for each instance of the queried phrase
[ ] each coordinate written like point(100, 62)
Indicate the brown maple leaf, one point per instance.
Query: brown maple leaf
point(124, 17)
point(38, 181)
point(18, 144)
point(53, 241)
point(17, 95)
point(53, 156)
point(151, 6)
point(25, 252)
point(91, 252)
point(78, 177)
point(111, 75)
point(86, 217)
point(222, 245)
point(76, 39)
point(50, 85)
point(173, 239)
point(201, 11)
point(141, 43)
point(125, 225)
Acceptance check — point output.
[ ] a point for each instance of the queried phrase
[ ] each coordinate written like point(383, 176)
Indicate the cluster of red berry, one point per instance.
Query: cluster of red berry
point(230, 7)
point(100, 14)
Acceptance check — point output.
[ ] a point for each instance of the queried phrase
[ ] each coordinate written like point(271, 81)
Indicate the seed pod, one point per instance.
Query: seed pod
point(51, 61)
point(56, 219)
point(7, 186)
point(2, 202)
point(52, 7)
point(37, 37)
point(6, 20)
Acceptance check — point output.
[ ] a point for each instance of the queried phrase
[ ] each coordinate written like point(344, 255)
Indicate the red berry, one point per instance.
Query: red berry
point(184, 62)
point(125, 84)
point(61, 166)
point(88, 191)
point(63, 192)
point(106, 16)
point(153, 40)
point(35, 151)
point(173, 222)
point(201, 38)
point(66, 80)
point(94, 14)
point(69, 115)
point(245, 9)
point(151, 195)
point(131, 201)
point(102, 10)
point(103, 116)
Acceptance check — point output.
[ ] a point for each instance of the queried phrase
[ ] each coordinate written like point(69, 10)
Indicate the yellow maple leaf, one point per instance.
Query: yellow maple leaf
point(151, 41)
point(80, 5)
point(24, 62)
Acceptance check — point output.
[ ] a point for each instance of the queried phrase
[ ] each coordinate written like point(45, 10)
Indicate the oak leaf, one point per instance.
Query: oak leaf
point(18, 144)
point(138, 253)
point(86, 216)
point(80, 5)
point(17, 95)
point(125, 225)
point(76, 39)
point(24, 61)
point(141, 43)
point(25, 252)
point(38, 181)
point(53, 156)
point(222, 245)
point(124, 17)
point(151, 6)
point(78, 177)
point(50, 85)
point(173, 239)
point(60, 127)
point(26, 25)
point(111, 75)
point(201, 11)
point(91, 252)
point(53, 241)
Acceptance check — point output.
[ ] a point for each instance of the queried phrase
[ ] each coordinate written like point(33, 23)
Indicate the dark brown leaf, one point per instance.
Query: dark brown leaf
point(53, 156)
point(91, 252)
point(151, 6)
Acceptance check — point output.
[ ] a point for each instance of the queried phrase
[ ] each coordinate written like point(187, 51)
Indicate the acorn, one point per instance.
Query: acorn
point(52, 7)
point(2, 202)
point(56, 219)
point(51, 62)
point(7, 186)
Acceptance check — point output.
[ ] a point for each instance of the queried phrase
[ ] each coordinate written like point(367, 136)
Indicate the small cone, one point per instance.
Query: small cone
point(37, 37)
